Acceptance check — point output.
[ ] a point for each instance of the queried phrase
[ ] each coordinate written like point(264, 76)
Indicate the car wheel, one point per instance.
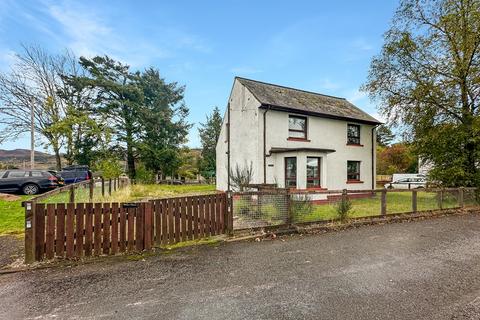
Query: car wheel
point(30, 189)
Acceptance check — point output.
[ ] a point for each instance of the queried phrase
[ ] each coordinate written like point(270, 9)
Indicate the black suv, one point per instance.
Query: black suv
point(27, 181)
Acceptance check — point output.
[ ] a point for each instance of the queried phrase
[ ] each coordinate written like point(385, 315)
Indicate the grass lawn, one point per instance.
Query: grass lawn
point(12, 216)
point(397, 202)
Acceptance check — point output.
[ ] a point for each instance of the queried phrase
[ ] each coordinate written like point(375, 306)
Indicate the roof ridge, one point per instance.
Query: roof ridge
point(291, 88)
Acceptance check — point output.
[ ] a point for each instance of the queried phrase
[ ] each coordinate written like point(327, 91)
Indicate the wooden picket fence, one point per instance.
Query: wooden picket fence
point(74, 230)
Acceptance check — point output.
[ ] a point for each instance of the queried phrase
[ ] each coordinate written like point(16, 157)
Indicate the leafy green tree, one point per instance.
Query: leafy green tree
point(190, 160)
point(162, 123)
point(209, 134)
point(385, 135)
point(427, 77)
point(109, 167)
point(397, 158)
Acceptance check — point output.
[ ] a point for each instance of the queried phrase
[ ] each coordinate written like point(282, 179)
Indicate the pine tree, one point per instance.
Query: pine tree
point(209, 134)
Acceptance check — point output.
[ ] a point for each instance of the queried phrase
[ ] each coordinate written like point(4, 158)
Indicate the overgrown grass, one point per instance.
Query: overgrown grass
point(12, 216)
point(132, 193)
point(155, 191)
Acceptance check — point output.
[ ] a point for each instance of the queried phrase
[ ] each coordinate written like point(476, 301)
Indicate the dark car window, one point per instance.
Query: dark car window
point(37, 174)
point(67, 174)
point(17, 174)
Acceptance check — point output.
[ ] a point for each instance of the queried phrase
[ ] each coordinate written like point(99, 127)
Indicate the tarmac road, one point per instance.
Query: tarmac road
point(417, 270)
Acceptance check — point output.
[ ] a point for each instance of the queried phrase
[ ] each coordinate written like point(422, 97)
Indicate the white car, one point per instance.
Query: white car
point(407, 183)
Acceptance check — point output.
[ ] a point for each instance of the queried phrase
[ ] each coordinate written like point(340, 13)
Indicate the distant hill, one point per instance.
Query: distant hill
point(17, 157)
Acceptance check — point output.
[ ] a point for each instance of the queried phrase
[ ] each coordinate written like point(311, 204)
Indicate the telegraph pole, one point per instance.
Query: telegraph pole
point(32, 134)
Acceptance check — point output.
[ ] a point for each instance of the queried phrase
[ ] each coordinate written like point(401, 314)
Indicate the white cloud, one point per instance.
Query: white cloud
point(90, 33)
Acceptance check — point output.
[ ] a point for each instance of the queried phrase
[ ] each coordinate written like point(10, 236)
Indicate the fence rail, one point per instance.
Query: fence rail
point(74, 230)
point(273, 207)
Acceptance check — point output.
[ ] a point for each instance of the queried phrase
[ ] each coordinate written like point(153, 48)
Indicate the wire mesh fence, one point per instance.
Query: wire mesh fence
point(471, 197)
point(259, 209)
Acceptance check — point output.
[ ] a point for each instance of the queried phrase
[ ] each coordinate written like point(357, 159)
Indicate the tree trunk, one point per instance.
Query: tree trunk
point(58, 158)
point(130, 155)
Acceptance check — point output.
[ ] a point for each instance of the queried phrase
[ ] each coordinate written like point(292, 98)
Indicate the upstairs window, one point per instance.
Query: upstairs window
point(353, 170)
point(297, 127)
point(353, 134)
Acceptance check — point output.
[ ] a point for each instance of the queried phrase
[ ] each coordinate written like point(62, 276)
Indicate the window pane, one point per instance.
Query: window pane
point(37, 174)
point(16, 174)
point(313, 172)
point(295, 123)
point(291, 167)
point(296, 134)
point(313, 183)
point(353, 170)
point(353, 134)
point(1, 174)
point(291, 172)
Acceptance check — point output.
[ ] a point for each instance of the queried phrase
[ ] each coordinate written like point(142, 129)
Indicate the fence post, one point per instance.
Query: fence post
point(29, 231)
point(91, 186)
point(110, 187)
point(414, 200)
point(383, 211)
point(72, 194)
point(289, 206)
point(461, 202)
point(103, 186)
point(440, 199)
point(230, 212)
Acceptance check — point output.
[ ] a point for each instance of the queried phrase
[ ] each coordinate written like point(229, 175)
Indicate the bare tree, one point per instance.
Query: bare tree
point(241, 177)
point(36, 78)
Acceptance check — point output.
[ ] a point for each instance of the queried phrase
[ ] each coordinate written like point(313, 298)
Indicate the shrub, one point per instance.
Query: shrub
point(143, 175)
point(344, 207)
point(300, 204)
point(109, 168)
point(241, 177)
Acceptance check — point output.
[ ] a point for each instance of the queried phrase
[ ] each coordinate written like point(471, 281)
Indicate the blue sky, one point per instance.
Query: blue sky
point(322, 46)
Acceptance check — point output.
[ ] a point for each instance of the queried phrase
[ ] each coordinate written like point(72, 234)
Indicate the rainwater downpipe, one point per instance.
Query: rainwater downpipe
point(265, 145)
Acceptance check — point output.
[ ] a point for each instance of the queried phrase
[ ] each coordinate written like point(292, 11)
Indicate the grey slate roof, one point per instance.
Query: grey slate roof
point(295, 100)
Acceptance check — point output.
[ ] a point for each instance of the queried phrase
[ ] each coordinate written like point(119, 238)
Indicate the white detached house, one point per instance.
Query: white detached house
point(296, 139)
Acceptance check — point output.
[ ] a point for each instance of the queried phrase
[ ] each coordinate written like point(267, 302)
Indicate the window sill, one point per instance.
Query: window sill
point(298, 139)
point(308, 189)
point(354, 181)
point(354, 145)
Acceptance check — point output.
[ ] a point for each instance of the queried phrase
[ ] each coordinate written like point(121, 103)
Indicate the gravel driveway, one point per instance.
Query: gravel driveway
point(420, 270)
point(11, 247)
